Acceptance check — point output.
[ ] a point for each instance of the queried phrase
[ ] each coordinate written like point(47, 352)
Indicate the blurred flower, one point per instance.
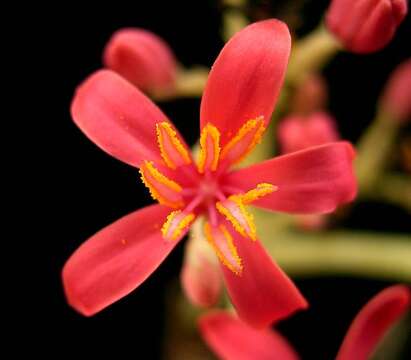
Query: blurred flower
point(201, 277)
point(297, 132)
point(364, 26)
point(236, 107)
point(143, 58)
point(310, 96)
point(396, 99)
point(224, 332)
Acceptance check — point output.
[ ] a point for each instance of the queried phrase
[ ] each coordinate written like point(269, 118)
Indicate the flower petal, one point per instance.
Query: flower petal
point(118, 117)
point(246, 78)
point(262, 293)
point(373, 321)
point(116, 260)
point(143, 58)
point(315, 180)
point(231, 339)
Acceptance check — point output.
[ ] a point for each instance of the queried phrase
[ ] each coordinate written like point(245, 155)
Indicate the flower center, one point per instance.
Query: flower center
point(201, 190)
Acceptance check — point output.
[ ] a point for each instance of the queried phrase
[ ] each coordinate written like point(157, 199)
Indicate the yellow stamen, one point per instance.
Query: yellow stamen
point(148, 170)
point(164, 128)
point(175, 225)
point(207, 159)
point(256, 125)
point(246, 217)
point(258, 192)
point(231, 247)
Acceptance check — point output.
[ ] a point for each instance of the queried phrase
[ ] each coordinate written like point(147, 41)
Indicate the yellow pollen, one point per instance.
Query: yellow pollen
point(247, 217)
point(249, 126)
point(231, 247)
point(174, 141)
point(162, 179)
point(179, 226)
point(209, 131)
point(261, 190)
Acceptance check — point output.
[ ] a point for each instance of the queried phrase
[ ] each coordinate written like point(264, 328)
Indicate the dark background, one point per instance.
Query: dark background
point(85, 189)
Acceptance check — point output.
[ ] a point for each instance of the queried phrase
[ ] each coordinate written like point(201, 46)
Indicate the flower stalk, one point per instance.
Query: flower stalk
point(343, 252)
point(311, 53)
point(373, 151)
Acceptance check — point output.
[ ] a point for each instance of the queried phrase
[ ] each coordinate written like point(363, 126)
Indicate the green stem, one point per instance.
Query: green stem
point(394, 189)
point(189, 83)
point(311, 53)
point(342, 253)
point(372, 151)
point(234, 20)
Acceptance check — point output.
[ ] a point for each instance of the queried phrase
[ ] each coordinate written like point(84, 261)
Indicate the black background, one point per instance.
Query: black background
point(84, 189)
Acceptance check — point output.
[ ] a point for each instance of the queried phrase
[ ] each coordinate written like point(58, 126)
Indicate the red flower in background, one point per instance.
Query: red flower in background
point(231, 339)
point(143, 58)
point(236, 107)
point(364, 26)
point(298, 132)
point(396, 98)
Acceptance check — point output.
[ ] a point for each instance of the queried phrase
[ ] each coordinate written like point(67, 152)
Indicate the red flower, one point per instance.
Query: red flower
point(297, 132)
point(365, 26)
point(142, 58)
point(231, 339)
point(236, 107)
point(397, 95)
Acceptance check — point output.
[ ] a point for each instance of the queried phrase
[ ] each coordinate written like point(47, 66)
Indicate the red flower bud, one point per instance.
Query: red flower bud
point(300, 132)
point(364, 26)
point(396, 98)
point(142, 58)
point(201, 277)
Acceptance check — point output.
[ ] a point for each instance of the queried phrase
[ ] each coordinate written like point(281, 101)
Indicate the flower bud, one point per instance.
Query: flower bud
point(396, 99)
point(311, 95)
point(364, 26)
point(142, 58)
point(298, 132)
point(200, 276)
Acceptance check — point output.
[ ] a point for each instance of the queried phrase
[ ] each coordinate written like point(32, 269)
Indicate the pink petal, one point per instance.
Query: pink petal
point(117, 117)
point(246, 78)
point(373, 321)
point(315, 180)
point(116, 260)
point(143, 58)
point(262, 293)
point(231, 339)
point(298, 132)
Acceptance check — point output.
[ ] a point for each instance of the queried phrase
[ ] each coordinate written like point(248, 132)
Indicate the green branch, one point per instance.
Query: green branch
point(345, 253)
